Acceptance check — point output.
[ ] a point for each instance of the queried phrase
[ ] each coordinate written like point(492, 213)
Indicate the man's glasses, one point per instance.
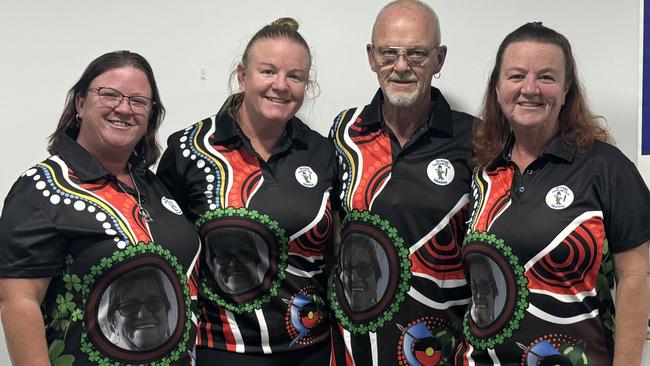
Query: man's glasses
point(130, 308)
point(362, 269)
point(111, 98)
point(484, 287)
point(242, 257)
point(388, 56)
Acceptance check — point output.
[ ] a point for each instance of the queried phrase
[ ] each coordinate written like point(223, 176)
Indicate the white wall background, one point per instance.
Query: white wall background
point(45, 45)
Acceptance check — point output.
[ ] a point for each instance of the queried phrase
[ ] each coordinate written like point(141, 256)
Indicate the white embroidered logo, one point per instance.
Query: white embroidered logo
point(306, 177)
point(171, 205)
point(559, 198)
point(441, 172)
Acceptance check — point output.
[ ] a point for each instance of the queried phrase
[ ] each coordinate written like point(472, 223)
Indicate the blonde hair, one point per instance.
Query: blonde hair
point(281, 28)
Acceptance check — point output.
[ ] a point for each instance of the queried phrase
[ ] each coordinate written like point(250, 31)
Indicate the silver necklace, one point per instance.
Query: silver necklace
point(146, 216)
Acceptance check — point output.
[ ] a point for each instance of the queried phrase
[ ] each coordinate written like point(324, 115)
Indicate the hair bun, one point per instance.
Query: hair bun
point(286, 22)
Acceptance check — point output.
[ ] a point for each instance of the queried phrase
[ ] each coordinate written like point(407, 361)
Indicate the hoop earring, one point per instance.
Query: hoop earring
point(436, 75)
point(78, 118)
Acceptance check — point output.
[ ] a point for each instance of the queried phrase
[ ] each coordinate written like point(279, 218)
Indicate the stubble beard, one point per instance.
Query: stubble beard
point(403, 99)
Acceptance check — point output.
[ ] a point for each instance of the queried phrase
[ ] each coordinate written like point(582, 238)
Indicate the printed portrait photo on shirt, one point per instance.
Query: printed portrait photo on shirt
point(363, 271)
point(488, 289)
point(237, 258)
point(139, 311)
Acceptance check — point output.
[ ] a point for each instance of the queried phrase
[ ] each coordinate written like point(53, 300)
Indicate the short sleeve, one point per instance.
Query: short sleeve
point(31, 246)
point(627, 210)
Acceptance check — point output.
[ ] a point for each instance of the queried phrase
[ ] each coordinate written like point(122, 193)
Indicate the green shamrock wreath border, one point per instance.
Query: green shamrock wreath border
point(384, 226)
point(283, 248)
point(522, 294)
point(87, 347)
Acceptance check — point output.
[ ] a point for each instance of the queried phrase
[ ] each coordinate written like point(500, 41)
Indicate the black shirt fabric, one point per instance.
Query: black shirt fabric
point(119, 291)
point(539, 255)
point(399, 290)
point(266, 229)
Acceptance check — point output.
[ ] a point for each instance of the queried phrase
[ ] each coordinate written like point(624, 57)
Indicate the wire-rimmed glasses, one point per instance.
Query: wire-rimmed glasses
point(112, 98)
point(414, 56)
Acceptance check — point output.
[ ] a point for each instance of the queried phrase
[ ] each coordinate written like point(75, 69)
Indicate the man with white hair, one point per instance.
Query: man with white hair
point(405, 182)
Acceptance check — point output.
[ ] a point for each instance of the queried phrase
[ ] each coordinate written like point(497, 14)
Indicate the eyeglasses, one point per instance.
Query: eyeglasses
point(362, 269)
point(130, 308)
point(483, 287)
point(243, 256)
point(112, 98)
point(415, 56)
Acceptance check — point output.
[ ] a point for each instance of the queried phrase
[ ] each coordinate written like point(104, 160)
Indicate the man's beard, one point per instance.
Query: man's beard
point(403, 99)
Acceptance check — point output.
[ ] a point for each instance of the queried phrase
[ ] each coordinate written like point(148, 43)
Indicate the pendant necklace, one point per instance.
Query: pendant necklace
point(142, 211)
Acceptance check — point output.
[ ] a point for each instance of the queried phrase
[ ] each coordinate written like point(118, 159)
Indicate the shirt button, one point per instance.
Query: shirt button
point(529, 171)
point(522, 189)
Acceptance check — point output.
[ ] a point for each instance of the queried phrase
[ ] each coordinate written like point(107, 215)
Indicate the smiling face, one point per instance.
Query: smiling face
point(141, 316)
point(483, 293)
point(109, 132)
point(359, 272)
point(532, 87)
point(410, 26)
point(234, 259)
point(274, 80)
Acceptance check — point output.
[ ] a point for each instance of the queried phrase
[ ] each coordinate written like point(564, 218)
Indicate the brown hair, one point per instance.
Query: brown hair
point(147, 149)
point(578, 126)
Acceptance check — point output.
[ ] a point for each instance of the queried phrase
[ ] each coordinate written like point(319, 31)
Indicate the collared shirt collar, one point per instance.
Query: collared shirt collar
point(227, 129)
point(556, 148)
point(84, 164)
point(439, 119)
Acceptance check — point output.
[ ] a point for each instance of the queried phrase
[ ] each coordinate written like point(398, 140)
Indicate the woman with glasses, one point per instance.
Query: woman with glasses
point(94, 252)
point(255, 177)
point(137, 314)
point(559, 216)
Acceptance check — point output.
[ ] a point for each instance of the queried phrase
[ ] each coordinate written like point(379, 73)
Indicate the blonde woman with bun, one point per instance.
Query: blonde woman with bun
point(257, 183)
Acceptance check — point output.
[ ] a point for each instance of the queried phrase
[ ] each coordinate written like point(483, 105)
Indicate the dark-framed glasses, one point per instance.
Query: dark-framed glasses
point(483, 287)
point(242, 256)
point(362, 269)
point(415, 56)
point(111, 98)
point(130, 308)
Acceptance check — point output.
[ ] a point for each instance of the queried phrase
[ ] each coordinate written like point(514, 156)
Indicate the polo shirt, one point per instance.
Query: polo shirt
point(266, 228)
point(119, 291)
point(539, 254)
point(399, 290)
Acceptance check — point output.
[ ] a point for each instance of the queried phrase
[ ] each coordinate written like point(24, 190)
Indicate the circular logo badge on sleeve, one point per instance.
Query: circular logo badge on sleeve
point(306, 176)
point(441, 172)
point(559, 198)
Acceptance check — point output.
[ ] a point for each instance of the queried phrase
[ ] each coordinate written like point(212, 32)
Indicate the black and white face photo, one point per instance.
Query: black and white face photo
point(361, 271)
point(138, 311)
point(486, 302)
point(237, 258)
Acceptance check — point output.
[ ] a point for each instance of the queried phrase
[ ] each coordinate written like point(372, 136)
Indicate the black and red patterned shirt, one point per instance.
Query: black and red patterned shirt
point(399, 290)
point(539, 255)
point(266, 229)
point(119, 291)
